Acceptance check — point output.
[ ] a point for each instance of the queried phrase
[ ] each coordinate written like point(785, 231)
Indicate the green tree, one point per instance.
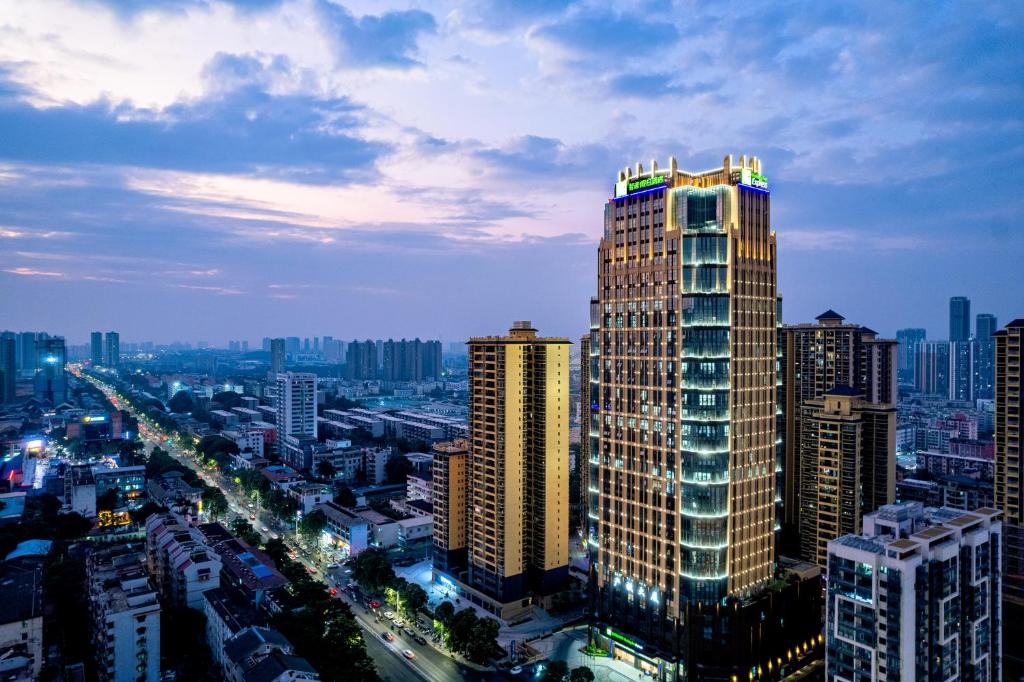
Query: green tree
point(312, 524)
point(483, 640)
point(226, 400)
point(414, 598)
point(215, 504)
point(581, 674)
point(460, 631)
point(108, 501)
point(444, 612)
point(181, 402)
point(345, 497)
point(325, 470)
point(241, 529)
point(373, 571)
point(219, 449)
point(556, 671)
point(398, 468)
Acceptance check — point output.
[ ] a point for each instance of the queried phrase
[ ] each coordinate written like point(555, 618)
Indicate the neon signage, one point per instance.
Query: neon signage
point(626, 187)
point(622, 638)
point(753, 179)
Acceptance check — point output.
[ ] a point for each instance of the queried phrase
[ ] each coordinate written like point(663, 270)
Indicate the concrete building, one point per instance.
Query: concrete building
point(309, 495)
point(277, 355)
point(907, 340)
point(260, 654)
point(296, 418)
point(96, 349)
point(959, 319)
point(916, 596)
point(112, 350)
point(50, 380)
point(126, 616)
point(181, 561)
point(420, 487)
point(984, 356)
point(1009, 493)
point(849, 445)
point(932, 370)
point(21, 619)
point(815, 359)
point(347, 531)
point(449, 478)
point(518, 496)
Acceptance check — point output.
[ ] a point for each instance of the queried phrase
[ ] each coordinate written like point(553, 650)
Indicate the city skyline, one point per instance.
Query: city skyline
point(191, 163)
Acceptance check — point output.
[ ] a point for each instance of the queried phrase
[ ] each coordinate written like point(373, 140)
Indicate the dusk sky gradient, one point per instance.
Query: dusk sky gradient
point(214, 169)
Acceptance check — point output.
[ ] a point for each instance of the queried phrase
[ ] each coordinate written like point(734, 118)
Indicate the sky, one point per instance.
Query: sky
point(233, 169)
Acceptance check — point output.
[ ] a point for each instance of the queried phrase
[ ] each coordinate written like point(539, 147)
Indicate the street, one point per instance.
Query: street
point(429, 663)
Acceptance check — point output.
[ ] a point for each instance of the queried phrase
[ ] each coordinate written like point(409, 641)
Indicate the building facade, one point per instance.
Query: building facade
point(959, 319)
point(518, 497)
point(112, 350)
point(816, 359)
point(96, 348)
point(908, 340)
point(684, 338)
point(50, 379)
point(916, 597)
point(450, 468)
point(984, 356)
point(296, 418)
point(1009, 494)
point(932, 368)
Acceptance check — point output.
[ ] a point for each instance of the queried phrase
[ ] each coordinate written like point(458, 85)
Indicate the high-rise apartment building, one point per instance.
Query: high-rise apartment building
point(959, 319)
point(932, 367)
point(908, 339)
point(50, 380)
point(433, 367)
point(449, 470)
point(96, 348)
point(296, 418)
point(1009, 492)
point(361, 360)
point(277, 356)
point(916, 597)
point(961, 370)
point(684, 463)
point(816, 359)
point(847, 458)
point(27, 344)
point(518, 496)
point(984, 356)
point(112, 354)
point(8, 368)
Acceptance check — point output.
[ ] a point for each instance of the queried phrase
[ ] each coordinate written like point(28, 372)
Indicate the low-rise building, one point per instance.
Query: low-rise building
point(346, 531)
point(171, 490)
point(308, 495)
point(282, 477)
point(182, 563)
point(246, 655)
point(21, 619)
point(420, 487)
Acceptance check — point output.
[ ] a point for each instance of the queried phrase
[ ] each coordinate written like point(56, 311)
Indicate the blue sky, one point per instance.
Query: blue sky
point(214, 169)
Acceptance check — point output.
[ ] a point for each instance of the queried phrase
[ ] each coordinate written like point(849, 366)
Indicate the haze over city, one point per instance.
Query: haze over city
point(208, 169)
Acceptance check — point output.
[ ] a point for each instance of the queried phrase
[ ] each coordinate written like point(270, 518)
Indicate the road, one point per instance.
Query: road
point(429, 663)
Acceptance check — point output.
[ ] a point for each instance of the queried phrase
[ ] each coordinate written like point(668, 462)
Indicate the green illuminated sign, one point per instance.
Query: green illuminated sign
point(622, 638)
point(753, 179)
point(645, 183)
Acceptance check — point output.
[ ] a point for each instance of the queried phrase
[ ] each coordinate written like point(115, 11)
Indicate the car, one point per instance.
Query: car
point(420, 640)
point(374, 604)
point(515, 670)
point(252, 517)
point(398, 622)
point(333, 591)
point(332, 567)
point(408, 653)
point(410, 632)
point(389, 614)
point(388, 637)
point(265, 529)
point(311, 569)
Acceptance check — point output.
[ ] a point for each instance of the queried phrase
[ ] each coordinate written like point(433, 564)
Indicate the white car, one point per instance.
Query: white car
point(389, 614)
point(265, 529)
point(516, 669)
point(408, 654)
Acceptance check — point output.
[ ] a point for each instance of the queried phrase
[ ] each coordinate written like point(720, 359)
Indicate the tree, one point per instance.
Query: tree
point(214, 503)
point(181, 402)
point(312, 524)
point(555, 672)
point(227, 399)
point(483, 640)
point(414, 598)
point(345, 497)
point(461, 629)
point(398, 468)
point(219, 449)
point(444, 612)
point(581, 674)
point(325, 470)
point(373, 571)
point(108, 501)
point(241, 529)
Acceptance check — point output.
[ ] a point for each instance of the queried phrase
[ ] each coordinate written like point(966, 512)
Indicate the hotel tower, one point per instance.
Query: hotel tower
point(682, 510)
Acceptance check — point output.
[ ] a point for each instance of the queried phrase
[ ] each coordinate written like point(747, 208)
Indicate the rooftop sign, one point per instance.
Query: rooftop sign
point(753, 179)
point(626, 187)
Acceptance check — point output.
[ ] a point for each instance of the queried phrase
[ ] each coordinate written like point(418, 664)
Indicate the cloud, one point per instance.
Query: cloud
point(607, 34)
point(654, 85)
point(388, 40)
point(849, 240)
point(223, 291)
point(241, 130)
point(129, 9)
point(32, 272)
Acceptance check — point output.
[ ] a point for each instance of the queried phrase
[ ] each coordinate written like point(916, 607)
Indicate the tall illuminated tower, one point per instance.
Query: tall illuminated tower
point(684, 338)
